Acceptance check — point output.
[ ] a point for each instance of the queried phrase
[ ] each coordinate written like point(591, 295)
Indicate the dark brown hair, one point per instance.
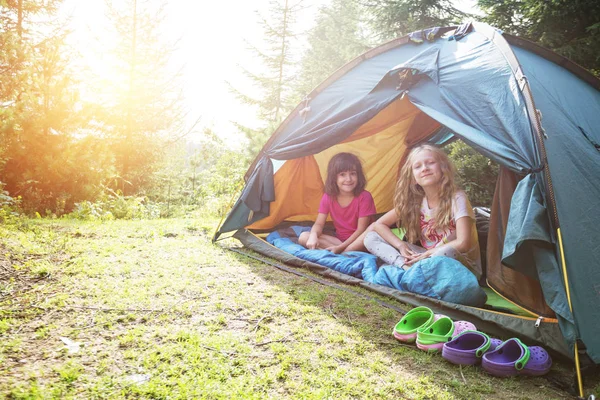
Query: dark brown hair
point(343, 162)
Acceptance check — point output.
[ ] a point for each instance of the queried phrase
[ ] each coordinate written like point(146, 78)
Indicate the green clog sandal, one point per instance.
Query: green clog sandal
point(419, 317)
point(433, 337)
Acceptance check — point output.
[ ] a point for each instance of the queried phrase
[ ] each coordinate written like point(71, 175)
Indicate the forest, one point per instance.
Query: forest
point(125, 153)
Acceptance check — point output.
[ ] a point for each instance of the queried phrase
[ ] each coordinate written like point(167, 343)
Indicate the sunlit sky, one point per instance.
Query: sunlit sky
point(214, 37)
point(212, 48)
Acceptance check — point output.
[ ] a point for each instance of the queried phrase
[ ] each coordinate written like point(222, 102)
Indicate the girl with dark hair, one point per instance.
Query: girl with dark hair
point(351, 207)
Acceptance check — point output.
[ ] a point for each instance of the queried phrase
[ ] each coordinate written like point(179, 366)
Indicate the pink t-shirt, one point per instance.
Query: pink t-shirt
point(345, 219)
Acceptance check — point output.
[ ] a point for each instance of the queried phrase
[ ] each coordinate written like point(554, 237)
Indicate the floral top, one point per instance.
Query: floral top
point(430, 237)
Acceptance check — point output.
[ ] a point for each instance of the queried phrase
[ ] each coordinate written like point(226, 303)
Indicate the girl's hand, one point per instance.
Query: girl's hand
point(406, 252)
point(336, 249)
point(312, 242)
point(418, 257)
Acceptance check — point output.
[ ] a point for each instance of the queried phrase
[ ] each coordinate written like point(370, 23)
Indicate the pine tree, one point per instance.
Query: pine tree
point(571, 28)
point(338, 36)
point(275, 80)
point(394, 18)
point(38, 106)
point(142, 106)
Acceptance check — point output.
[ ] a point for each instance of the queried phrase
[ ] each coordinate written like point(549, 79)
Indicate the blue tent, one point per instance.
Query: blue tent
point(530, 110)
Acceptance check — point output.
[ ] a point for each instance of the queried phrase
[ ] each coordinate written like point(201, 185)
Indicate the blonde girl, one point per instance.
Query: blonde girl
point(433, 212)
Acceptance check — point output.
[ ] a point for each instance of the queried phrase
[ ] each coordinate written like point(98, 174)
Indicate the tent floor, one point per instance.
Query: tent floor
point(498, 303)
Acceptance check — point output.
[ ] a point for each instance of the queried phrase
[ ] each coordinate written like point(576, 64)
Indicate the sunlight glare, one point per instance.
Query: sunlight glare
point(213, 40)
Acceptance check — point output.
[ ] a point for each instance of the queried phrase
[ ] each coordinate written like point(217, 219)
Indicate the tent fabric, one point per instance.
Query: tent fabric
point(303, 179)
point(486, 98)
point(526, 211)
point(522, 289)
point(569, 105)
point(534, 117)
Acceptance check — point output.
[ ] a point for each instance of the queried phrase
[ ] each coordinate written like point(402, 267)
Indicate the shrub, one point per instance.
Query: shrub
point(9, 207)
point(476, 174)
point(113, 205)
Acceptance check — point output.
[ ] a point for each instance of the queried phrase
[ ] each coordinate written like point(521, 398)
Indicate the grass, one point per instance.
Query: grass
point(153, 310)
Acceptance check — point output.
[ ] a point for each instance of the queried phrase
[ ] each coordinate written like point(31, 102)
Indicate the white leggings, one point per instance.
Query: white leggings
point(390, 255)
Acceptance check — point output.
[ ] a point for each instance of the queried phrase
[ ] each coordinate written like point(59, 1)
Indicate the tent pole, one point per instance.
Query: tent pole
point(564, 265)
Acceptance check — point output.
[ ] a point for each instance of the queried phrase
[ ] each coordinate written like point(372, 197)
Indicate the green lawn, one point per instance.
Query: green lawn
point(151, 309)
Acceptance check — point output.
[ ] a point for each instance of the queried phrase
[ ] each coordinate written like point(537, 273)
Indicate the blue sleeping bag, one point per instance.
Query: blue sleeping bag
point(441, 278)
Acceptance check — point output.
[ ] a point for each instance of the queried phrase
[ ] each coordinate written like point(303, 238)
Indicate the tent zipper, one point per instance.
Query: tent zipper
point(539, 321)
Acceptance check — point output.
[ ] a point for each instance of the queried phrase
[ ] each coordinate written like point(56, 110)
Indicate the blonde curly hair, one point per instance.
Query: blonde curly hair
point(409, 195)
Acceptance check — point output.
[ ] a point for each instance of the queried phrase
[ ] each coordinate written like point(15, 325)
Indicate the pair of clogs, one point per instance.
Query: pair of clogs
point(499, 359)
point(428, 330)
point(461, 343)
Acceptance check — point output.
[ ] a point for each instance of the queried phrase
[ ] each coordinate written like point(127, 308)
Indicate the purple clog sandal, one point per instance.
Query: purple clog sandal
point(514, 358)
point(468, 347)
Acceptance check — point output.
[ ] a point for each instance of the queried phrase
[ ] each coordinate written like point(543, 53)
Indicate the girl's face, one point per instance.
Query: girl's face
point(347, 181)
point(426, 169)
